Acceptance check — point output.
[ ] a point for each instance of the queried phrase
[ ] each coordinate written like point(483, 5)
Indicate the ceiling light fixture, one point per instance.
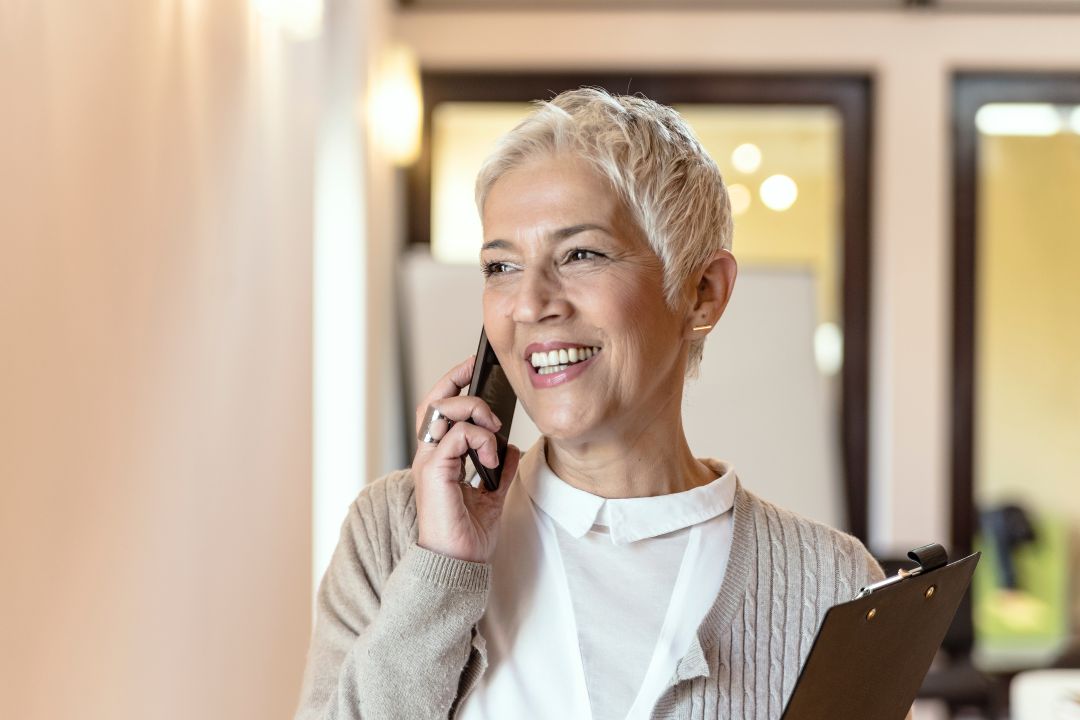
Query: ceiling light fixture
point(746, 158)
point(778, 192)
point(1074, 120)
point(1018, 119)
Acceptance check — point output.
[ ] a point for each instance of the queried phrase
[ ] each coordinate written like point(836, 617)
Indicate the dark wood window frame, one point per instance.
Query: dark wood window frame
point(851, 95)
point(970, 92)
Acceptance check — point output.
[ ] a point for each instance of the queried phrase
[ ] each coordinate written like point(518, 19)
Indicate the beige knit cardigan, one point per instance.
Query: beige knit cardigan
point(395, 626)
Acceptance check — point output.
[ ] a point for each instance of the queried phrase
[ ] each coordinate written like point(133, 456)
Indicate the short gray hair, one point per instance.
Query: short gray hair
point(670, 185)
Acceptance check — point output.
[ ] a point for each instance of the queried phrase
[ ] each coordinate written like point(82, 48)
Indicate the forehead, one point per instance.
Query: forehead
point(550, 190)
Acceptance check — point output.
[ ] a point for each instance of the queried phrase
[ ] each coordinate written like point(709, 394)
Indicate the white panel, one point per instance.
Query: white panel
point(759, 401)
point(339, 331)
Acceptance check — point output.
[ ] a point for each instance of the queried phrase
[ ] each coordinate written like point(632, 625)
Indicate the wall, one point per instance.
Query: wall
point(911, 54)
point(155, 421)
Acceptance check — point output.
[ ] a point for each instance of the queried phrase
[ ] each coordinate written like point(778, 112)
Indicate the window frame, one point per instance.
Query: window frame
point(970, 91)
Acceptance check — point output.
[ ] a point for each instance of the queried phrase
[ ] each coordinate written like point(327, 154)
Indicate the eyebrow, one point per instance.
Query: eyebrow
point(560, 234)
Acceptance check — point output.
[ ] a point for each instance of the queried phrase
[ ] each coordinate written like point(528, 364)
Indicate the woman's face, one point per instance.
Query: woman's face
point(568, 271)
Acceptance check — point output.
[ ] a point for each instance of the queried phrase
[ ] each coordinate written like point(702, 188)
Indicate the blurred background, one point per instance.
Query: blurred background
point(224, 225)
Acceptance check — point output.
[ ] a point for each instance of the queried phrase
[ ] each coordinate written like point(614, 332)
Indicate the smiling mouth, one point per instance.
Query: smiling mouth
point(554, 361)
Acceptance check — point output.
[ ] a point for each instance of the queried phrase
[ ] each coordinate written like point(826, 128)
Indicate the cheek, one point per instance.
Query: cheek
point(639, 317)
point(499, 327)
point(492, 303)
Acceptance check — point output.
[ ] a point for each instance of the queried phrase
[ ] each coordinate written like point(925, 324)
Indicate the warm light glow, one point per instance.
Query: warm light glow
point(1074, 120)
point(829, 348)
point(1027, 119)
point(395, 107)
point(778, 192)
point(746, 158)
point(740, 197)
point(302, 19)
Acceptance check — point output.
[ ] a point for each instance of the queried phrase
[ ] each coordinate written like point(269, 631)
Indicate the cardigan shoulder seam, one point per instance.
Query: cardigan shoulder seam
point(839, 544)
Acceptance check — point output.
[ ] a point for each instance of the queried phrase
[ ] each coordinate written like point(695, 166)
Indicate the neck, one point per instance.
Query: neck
point(648, 460)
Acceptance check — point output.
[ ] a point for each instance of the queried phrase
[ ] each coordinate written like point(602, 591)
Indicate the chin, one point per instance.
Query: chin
point(564, 425)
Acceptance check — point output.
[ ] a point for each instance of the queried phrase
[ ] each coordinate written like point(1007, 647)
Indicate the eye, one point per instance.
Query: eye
point(495, 268)
point(579, 254)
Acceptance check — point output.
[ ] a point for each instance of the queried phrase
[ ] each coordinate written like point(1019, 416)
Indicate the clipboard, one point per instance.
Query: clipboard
point(871, 654)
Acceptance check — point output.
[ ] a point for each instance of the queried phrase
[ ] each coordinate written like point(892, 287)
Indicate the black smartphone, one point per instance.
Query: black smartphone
point(490, 383)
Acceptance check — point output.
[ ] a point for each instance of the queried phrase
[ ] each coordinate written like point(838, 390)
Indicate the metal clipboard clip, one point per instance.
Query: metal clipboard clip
point(929, 557)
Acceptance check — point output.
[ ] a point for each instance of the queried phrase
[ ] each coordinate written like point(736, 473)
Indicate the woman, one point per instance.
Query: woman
point(612, 574)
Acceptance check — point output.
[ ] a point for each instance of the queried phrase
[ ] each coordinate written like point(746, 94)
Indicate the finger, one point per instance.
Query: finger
point(433, 430)
point(463, 437)
point(449, 385)
point(469, 408)
point(506, 476)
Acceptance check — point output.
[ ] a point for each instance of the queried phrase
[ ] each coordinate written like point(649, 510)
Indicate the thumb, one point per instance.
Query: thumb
point(509, 472)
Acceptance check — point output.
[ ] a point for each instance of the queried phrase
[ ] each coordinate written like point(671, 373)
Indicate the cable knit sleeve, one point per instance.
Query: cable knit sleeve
point(855, 567)
point(393, 621)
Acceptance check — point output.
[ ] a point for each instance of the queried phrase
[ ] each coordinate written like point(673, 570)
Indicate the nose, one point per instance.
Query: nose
point(539, 297)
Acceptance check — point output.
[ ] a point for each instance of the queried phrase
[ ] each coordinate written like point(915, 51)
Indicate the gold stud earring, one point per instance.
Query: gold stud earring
point(699, 328)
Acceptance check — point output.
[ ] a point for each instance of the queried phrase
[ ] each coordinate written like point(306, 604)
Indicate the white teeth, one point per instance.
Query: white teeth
point(558, 360)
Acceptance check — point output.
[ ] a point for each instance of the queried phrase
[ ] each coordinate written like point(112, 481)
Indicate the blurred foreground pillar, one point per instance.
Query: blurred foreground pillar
point(156, 214)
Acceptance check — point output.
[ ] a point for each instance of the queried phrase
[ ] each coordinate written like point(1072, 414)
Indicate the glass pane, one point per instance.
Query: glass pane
point(1027, 444)
point(463, 134)
point(763, 152)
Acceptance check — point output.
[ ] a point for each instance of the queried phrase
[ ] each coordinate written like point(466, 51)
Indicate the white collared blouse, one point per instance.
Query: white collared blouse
point(595, 600)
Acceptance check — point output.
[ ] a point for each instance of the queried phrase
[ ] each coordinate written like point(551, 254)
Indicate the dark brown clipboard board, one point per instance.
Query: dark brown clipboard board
point(869, 666)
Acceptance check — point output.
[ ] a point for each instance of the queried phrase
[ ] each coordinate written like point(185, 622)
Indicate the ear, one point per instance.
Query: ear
point(714, 286)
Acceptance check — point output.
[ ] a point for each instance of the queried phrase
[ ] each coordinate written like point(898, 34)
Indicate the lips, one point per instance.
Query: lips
point(554, 363)
point(555, 360)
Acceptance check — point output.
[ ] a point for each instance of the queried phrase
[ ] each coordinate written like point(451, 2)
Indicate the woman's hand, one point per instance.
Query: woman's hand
point(455, 519)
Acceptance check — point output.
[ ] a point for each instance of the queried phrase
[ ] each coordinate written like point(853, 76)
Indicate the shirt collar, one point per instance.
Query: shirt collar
point(628, 519)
